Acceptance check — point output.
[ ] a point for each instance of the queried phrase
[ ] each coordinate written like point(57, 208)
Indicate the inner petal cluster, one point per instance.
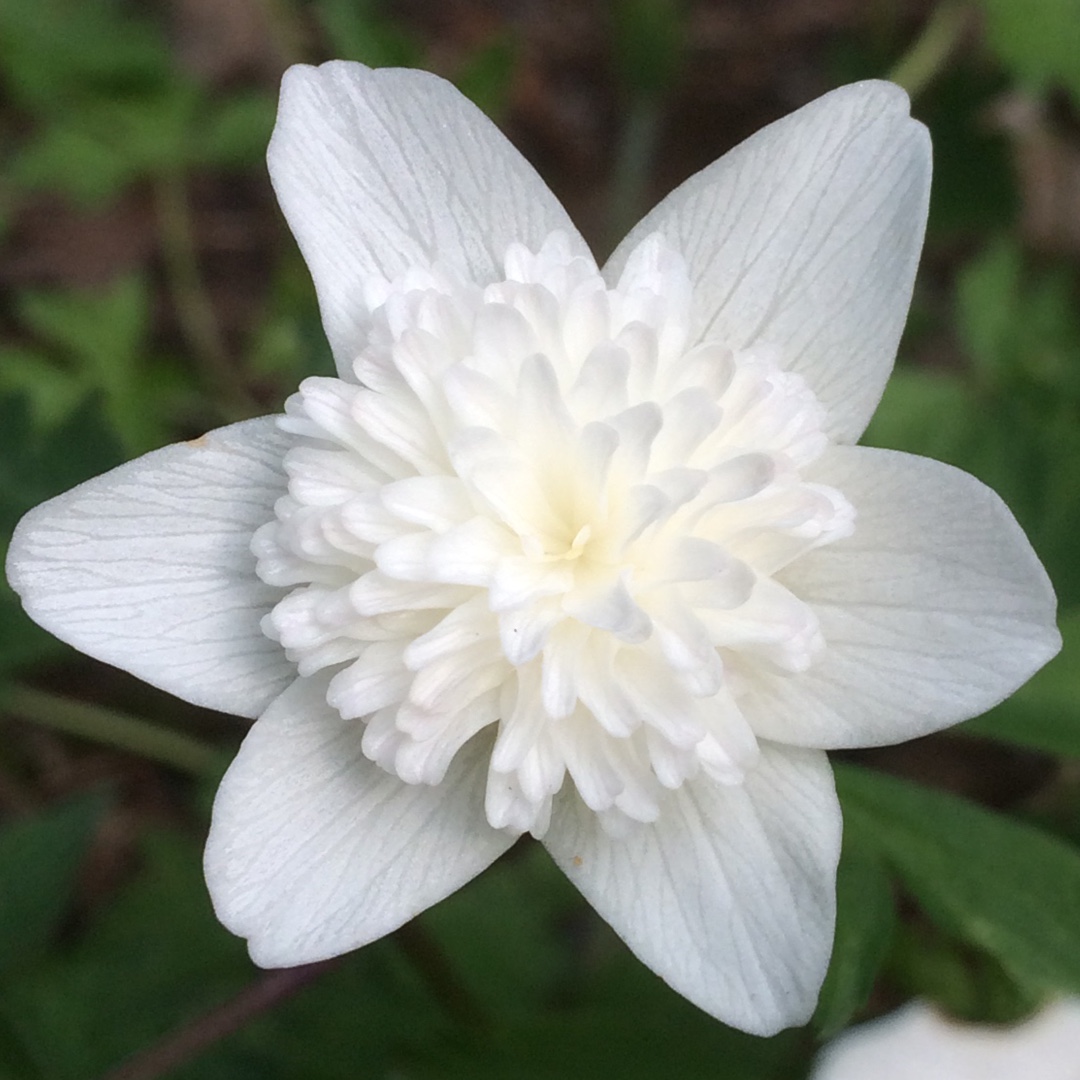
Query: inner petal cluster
point(544, 509)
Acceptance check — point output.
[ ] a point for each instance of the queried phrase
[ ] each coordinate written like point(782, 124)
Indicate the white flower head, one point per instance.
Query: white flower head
point(587, 553)
point(919, 1043)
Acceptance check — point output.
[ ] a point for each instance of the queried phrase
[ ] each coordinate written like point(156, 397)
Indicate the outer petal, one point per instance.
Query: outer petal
point(919, 1043)
point(933, 611)
point(730, 896)
point(380, 171)
point(148, 567)
point(314, 850)
point(806, 236)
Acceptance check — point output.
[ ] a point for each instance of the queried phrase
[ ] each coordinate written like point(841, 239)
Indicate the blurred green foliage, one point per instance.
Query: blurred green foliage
point(39, 859)
point(997, 883)
point(865, 928)
point(973, 908)
point(648, 45)
point(110, 106)
point(1037, 41)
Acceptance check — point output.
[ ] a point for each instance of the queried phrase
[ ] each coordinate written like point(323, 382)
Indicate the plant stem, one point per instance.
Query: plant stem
point(427, 956)
point(195, 313)
point(104, 725)
point(943, 32)
point(186, 1043)
point(633, 166)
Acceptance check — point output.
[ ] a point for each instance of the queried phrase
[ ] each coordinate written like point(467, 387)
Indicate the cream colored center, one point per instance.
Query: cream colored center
point(543, 514)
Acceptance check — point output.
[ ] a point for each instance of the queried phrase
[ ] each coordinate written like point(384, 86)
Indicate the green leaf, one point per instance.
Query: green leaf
point(969, 154)
point(371, 1008)
point(151, 960)
point(39, 858)
point(487, 75)
point(1044, 714)
point(1002, 885)
point(1021, 330)
point(155, 958)
point(15, 1061)
point(987, 295)
point(356, 31)
point(99, 146)
point(102, 328)
point(928, 963)
point(923, 412)
point(101, 333)
point(865, 923)
point(1037, 40)
point(54, 51)
point(236, 132)
point(52, 392)
point(33, 468)
point(290, 343)
point(21, 641)
point(66, 158)
point(648, 44)
point(158, 133)
point(518, 964)
point(626, 1043)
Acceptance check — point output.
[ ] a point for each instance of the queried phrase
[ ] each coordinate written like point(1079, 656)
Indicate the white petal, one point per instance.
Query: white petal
point(729, 897)
point(933, 611)
point(493, 468)
point(314, 850)
point(149, 567)
point(524, 632)
point(468, 554)
point(379, 171)
point(610, 606)
point(806, 237)
point(919, 1043)
point(435, 502)
point(377, 678)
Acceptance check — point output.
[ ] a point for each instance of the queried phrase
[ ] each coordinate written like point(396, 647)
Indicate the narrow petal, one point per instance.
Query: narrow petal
point(380, 171)
point(149, 567)
point(934, 610)
point(729, 897)
point(314, 850)
point(806, 237)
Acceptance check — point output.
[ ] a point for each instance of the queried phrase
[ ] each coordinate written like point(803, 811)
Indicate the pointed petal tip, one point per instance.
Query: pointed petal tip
point(315, 851)
point(935, 610)
point(378, 171)
point(806, 237)
point(730, 896)
point(148, 567)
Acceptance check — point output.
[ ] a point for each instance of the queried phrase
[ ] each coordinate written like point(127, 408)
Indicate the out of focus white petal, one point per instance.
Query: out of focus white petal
point(918, 1043)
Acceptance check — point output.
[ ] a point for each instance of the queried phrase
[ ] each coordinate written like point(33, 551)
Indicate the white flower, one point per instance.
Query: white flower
point(583, 553)
point(918, 1043)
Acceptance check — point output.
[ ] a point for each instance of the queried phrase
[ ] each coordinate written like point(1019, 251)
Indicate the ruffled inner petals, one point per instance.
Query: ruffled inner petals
point(547, 511)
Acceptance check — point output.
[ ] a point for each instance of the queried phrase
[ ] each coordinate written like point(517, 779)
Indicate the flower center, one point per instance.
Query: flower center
point(541, 508)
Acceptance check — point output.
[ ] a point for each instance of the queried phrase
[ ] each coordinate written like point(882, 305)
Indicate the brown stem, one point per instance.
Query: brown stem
point(427, 956)
point(188, 1042)
point(105, 725)
point(194, 310)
